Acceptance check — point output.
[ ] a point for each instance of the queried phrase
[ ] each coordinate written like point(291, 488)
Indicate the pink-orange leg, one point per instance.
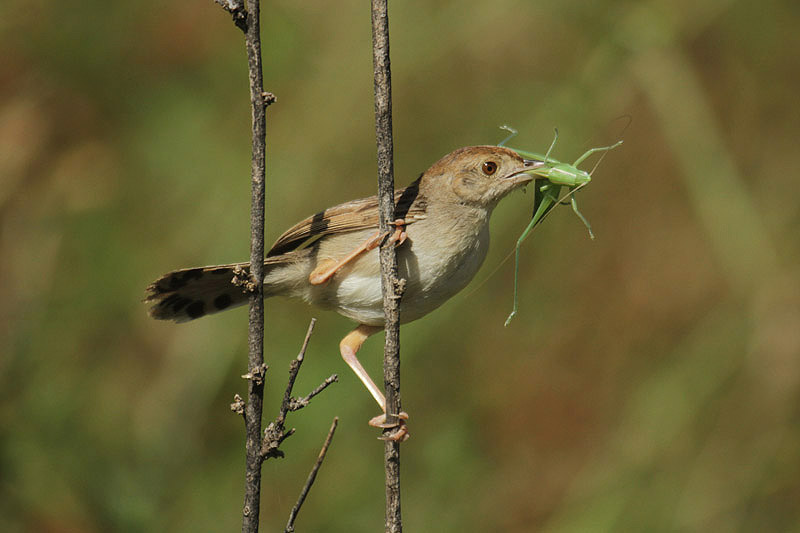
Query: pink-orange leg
point(326, 270)
point(348, 348)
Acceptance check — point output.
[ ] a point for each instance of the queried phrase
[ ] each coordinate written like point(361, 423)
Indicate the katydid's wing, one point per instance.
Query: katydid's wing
point(350, 216)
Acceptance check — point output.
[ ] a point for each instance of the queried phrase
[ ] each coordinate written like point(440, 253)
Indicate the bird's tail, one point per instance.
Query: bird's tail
point(190, 293)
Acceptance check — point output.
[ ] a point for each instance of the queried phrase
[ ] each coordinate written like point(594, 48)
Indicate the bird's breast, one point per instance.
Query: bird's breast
point(438, 264)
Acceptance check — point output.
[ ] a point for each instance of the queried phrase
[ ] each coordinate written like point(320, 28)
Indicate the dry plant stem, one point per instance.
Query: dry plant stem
point(246, 17)
point(311, 477)
point(391, 286)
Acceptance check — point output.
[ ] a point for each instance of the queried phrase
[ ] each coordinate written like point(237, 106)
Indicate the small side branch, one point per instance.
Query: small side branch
point(294, 369)
point(237, 10)
point(311, 477)
point(276, 431)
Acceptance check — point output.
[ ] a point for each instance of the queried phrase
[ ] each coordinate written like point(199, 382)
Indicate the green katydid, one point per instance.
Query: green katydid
point(553, 175)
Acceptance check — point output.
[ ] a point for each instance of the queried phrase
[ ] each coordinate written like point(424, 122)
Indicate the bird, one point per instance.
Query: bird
point(330, 259)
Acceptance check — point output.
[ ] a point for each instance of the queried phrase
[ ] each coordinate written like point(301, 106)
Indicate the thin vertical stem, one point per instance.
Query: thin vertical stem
point(255, 393)
point(390, 284)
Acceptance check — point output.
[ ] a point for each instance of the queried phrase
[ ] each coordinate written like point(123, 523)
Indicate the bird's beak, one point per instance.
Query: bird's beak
point(525, 174)
point(532, 164)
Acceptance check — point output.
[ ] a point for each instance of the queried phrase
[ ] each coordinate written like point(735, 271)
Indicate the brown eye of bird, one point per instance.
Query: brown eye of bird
point(489, 168)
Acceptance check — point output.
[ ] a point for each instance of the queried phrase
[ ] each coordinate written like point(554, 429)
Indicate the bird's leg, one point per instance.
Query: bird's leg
point(348, 348)
point(326, 269)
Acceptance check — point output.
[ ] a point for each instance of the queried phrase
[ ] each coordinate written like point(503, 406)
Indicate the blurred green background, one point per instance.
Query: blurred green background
point(649, 383)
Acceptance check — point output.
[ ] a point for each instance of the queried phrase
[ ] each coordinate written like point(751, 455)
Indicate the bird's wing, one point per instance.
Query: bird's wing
point(350, 216)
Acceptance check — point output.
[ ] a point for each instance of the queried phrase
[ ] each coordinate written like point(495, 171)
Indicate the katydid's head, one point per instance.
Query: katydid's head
point(478, 175)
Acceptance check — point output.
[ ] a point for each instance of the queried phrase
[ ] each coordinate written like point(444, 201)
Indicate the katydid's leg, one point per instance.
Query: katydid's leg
point(516, 270)
point(574, 203)
point(540, 185)
point(512, 134)
point(587, 153)
point(552, 144)
point(549, 198)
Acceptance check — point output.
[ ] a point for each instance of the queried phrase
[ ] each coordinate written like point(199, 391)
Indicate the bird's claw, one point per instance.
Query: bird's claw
point(398, 434)
point(399, 236)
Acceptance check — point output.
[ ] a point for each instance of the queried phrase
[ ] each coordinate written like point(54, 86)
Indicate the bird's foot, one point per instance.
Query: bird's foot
point(399, 430)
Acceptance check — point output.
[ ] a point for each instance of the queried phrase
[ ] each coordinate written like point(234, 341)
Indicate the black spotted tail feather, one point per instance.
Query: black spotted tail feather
point(191, 293)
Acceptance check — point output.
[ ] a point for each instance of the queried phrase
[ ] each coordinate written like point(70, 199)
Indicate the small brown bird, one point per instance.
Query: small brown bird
point(330, 259)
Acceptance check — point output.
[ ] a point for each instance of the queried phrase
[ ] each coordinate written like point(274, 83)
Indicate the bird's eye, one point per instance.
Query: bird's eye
point(489, 168)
